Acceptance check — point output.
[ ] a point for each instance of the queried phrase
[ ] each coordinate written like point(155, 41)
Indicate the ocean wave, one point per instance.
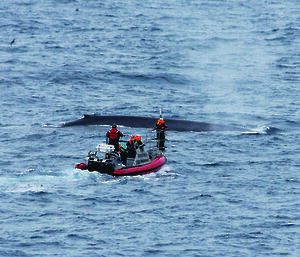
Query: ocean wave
point(221, 193)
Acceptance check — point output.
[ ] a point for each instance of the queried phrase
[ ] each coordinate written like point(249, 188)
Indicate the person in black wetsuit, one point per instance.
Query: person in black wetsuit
point(160, 133)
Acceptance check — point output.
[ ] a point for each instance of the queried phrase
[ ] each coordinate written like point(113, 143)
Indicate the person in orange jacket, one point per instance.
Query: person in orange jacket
point(134, 143)
point(114, 136)
point(160, 133)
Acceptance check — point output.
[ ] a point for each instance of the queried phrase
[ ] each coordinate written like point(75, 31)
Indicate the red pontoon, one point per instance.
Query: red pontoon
point(147, 168)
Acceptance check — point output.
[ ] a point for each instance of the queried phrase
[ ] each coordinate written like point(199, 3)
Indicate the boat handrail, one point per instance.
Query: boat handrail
point(141, 157)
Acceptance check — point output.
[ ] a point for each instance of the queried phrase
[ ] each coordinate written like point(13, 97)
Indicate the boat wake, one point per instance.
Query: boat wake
point(265, 130)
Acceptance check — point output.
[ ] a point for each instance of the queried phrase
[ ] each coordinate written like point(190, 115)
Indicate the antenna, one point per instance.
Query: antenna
point(160, 114)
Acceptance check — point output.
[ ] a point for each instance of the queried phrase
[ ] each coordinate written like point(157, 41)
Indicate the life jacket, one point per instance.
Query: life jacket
point(114, 134)
point(135, 141)
point(132, 140)
point(160, 124)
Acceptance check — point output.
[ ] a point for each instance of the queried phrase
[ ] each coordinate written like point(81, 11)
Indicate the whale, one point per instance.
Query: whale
point(149, 122)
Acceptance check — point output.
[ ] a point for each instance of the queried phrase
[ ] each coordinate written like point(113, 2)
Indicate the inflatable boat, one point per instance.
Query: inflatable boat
point(105, 159)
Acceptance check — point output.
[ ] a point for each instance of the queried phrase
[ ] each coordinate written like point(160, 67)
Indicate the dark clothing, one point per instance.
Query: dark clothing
point(123, 154)
point(161, 139)
point(131, 149)
point(113, 137)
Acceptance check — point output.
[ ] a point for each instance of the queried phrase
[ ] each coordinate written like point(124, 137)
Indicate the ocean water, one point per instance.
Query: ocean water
point(222, 193)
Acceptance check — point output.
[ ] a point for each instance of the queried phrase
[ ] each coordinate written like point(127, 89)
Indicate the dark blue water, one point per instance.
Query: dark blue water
point(231, 62)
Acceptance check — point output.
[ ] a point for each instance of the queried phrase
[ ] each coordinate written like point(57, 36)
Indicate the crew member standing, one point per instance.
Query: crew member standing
point(113, 136)
point(160, 133)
